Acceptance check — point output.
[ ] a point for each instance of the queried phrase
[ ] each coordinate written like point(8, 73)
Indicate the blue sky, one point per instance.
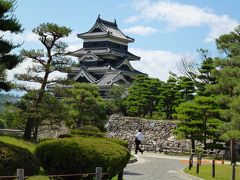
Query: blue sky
point(164, 30)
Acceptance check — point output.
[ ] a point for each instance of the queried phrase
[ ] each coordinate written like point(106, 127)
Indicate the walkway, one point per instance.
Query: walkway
point(156, 167)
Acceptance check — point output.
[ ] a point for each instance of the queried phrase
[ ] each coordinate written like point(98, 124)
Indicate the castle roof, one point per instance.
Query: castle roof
point(103, 28)
point(104, 51)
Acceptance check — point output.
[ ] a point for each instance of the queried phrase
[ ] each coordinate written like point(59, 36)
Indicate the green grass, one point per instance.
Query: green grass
point(38, 178)
point(222, 172)
point(18, 142)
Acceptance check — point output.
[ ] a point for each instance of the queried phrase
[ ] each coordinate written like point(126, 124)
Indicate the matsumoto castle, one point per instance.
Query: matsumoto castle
point(104, 59)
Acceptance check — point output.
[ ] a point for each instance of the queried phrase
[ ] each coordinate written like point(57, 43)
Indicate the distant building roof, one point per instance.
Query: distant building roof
point(104, 51)
point(103, 28)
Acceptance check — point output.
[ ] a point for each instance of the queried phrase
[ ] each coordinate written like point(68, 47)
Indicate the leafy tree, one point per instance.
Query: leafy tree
point(227, 87)
point(48, 61)
point(8, 22)
point(169, 97)
point(187, 88)
point(85, 105)
point(190, 127)
point(205, 75)
point(199, 120)
point(200, 75)
point(143, 96)
point(50, 112)
point(117, 95)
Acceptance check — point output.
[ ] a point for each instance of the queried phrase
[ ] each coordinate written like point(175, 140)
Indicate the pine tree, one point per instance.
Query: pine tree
point(227, 87)
point(47, 60)
point(8, 60)
point(169, 96)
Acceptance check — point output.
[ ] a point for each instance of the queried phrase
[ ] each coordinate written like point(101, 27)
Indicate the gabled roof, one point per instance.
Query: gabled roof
point(110, 78)
point(104, 51)
point(89, 56)
point(83, 73)
point(103, 28)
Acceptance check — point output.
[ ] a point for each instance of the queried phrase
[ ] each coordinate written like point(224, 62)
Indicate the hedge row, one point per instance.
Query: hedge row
point(13, 158)
point(78, 154)
point(84, 133)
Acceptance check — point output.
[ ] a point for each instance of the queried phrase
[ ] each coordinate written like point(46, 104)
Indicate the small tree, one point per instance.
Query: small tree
point(117, 95)
point(227, 87)
point(190, 127)
point(50, 112)
point(85, 105)
point(169, 96)
point(143, 96)
point(52, 59)
point(199, 120)
point(8, 22)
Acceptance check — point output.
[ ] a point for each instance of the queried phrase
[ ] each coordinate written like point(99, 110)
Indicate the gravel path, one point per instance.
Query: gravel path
point(156, 167)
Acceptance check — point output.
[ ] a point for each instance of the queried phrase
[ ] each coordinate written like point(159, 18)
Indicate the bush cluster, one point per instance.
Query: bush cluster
point(2, 124)
point(84, 133)
point(89, 128)
point(13, 158)
point(82, 155)
point(118, 141)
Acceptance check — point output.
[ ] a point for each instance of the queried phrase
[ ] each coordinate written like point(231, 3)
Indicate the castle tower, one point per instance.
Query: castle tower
point(104, 59)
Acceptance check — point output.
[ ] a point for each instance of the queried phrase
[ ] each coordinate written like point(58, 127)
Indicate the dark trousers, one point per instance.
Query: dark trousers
point(137, 144)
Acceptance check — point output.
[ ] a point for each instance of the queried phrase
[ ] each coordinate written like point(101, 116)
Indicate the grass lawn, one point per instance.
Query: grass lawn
point(222, 172)
point(18, 142)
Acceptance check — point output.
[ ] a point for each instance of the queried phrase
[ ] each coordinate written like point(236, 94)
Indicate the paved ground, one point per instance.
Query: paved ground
point(156, 167)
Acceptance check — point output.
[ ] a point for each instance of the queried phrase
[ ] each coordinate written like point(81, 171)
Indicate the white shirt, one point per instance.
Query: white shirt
point(139, 136)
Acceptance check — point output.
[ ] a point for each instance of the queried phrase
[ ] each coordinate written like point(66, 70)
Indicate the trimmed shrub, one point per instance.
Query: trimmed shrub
point(13, 158)
point(65, 136)
point(82, 155)
point(84, 133)
point(118, 141)
point(89, 128)
point(2, 124)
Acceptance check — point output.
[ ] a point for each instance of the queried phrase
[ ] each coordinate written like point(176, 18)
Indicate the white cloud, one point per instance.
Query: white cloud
point(156, 63)
point(177, 15)
point(21, 37)
point(140, 30)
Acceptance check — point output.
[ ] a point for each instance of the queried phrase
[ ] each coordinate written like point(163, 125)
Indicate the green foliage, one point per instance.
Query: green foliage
point(13, 157)
point(89, 128)
point(85, 133)
point(8, 22)
point(118, 141)
point(143, 96)
point(84, 104)
point(199, 120)
point(230, 43)
point(227, 87)
point(5, 99)
point(30, 146)
point(52, 58)
point(2, 124)
point(117, 95)
point(50, 112)
point(169, 97)
point(222, 172)
point(74, 155)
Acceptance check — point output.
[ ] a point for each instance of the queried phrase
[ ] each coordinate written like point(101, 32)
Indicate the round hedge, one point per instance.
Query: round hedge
point(84, 133)
point(82, 155)
point(89, 128)
point(13, 158)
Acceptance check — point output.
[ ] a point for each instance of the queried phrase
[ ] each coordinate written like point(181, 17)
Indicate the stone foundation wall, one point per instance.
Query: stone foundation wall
point(158, 135)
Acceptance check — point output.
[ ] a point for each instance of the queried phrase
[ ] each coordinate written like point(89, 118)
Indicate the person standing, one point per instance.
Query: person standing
point(138, 139)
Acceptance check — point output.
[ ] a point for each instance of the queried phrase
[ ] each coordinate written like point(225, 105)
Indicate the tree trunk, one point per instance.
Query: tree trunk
point(233, 151)
point(205, 135)
point(193, 145)
point(35, 134)
point(28, 128)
